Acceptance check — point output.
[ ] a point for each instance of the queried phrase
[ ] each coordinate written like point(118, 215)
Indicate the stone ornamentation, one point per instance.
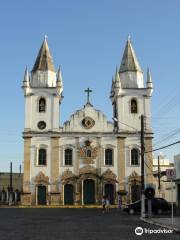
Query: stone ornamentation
point(67, 175)
point(87, 169)
point(41, 178)
point(109, 175)
point(88, 153)
point(88, 122)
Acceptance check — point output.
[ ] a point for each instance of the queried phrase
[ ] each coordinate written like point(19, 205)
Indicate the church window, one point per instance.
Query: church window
point(88, 153)
point(134, 106)
point(42, 105)
point(108, 156)
point(42, 157)
point(134, 156)
point(68, 156)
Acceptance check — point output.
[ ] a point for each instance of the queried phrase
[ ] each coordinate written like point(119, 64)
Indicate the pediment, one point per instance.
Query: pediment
point(41, 178)
point(134, 176)
point(67, 174)
point(87, 169)
point(88, 119)
point(108, 174)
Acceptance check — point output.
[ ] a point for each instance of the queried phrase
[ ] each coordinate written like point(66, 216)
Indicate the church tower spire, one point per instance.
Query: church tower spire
point(26, 83)
point(149, 84)
point(130, 71)
point(59, 83)
point(44, 60)
point(129, 61)
point(43, 72)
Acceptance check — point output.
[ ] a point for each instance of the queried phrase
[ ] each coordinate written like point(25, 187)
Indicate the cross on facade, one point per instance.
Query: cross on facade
point(88, 91)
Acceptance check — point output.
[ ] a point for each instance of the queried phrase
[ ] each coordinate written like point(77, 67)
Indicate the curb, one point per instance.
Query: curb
point(177, 230)
point(60, 206)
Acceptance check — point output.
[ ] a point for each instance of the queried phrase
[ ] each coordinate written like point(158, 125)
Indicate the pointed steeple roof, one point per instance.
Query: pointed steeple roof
point(59, 82)
point(44, 60)
point(117, 79)
point(149, 78)
point(129, 61)
point(26, 75)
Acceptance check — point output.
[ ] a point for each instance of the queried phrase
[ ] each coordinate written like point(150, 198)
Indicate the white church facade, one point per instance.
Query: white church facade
point(88, 156)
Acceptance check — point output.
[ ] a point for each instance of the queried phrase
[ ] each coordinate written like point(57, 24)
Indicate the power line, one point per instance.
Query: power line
point(168, 136)
point(163, 147)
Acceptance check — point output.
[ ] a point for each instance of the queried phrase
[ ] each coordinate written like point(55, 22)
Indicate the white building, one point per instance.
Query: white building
point(177, 167)
point(165, 190)
point(87, 156)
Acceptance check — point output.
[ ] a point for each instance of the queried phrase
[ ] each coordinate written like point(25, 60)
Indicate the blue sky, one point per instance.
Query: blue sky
point(87, 39)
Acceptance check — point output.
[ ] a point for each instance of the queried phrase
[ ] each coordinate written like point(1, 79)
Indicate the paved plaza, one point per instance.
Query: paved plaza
point(72, 224)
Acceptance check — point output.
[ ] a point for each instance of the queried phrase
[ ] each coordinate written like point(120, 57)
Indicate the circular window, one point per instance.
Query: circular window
point(41, 125)
point(88, 122)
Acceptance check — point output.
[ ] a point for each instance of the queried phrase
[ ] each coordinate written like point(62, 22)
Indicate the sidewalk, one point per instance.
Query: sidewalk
point(94, 206)
point(165, 222)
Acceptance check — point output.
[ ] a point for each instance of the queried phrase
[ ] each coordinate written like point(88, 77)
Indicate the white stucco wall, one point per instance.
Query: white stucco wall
point(50, 116)
point(37, 143)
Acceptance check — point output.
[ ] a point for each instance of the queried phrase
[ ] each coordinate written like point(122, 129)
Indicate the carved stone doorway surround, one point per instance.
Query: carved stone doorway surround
point(133, 180)
point(41, 180)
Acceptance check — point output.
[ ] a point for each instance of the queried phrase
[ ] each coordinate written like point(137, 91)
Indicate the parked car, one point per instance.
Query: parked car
point(159, 206)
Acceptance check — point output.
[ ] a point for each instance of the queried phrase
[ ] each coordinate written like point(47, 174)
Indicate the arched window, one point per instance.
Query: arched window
point(88, 153)
point(42, 105)
point(108, 156)
point(68, 156)
point(42, 157)
point(134, 156)
point(134, 108)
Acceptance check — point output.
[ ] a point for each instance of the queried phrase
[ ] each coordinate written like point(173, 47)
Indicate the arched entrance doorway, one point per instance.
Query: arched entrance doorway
point(109, 191)
point(135, 192)
point(89, 191)
point(41, 195)
point(68, 194)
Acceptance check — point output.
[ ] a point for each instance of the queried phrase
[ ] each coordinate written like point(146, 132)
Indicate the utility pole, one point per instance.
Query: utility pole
point(20, 177)
point(159, 176)
point(142, 168)
point(10, 183)
point(10, 200)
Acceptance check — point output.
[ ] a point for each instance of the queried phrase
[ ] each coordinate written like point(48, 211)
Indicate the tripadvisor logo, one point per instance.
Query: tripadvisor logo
point(139, 231)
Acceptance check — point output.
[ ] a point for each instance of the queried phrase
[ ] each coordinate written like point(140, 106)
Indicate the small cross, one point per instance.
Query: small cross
point(88, 91)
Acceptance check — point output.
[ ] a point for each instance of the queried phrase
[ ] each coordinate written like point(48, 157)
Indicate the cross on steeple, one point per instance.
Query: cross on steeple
point(88, 91)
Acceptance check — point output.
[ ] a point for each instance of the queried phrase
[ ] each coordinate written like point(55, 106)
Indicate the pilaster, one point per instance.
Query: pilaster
point(121, 162)
point(76, 163)
point(27, 159)
point(55, 165)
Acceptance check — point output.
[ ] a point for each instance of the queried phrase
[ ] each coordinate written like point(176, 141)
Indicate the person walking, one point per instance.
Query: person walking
point(107, 203)
point(104, 203)
point(119, 201)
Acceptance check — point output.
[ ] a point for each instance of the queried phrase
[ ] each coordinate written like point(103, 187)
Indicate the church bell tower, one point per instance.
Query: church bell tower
point(43, 89)
point(131, 99)
point(43, 93)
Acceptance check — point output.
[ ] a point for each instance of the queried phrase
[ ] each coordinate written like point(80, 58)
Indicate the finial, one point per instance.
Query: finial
point(149, 78)
point(129, 38)
point(59, 75)
point(116, 74)
point(45, 37)
point(26, 75)
point(88, 91)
